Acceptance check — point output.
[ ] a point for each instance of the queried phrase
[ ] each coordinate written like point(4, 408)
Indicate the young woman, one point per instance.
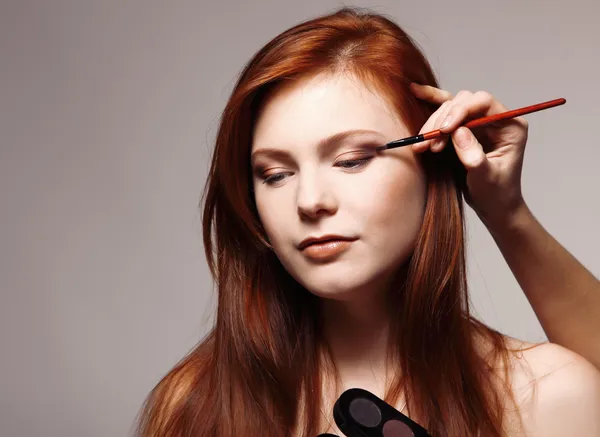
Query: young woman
point(339, 266)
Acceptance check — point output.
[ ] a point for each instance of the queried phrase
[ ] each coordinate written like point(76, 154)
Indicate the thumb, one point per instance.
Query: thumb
point(469, 151)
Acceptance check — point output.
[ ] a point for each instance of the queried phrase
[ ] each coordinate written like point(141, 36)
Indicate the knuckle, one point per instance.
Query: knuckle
point(523, 122)
point(456, 110)
point(464, 93)
point(442, 109)
point(485, 96)
point(477, 161)
point(447, 95)
point(446, 104)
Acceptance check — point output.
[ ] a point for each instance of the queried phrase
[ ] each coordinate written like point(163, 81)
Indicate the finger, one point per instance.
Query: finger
point(438, 144)
point(469, 150)
point(480, 103)
point(430, 94)
point(428, 127)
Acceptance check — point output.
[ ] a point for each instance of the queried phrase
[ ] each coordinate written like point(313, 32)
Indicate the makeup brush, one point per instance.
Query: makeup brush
point(474, 123)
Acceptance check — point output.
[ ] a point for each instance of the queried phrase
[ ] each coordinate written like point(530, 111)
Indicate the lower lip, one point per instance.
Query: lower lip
point(326, 250)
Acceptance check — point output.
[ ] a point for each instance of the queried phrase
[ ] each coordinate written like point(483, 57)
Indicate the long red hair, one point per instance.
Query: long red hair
point(246, 376)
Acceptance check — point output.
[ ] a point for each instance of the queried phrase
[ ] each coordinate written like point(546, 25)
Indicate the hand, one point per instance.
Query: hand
point(492, 155)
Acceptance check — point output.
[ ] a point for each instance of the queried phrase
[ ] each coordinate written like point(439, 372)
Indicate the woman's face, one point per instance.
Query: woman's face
point(316, 173)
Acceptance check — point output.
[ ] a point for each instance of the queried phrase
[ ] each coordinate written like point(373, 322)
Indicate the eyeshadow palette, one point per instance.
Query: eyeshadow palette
point(359, 413)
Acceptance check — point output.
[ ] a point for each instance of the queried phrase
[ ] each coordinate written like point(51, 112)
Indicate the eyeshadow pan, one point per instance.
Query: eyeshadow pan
point(365, 412)
point(395, 428)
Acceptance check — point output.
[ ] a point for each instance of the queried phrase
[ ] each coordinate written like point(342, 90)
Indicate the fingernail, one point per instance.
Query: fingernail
point(461, 139)
point(446, 122)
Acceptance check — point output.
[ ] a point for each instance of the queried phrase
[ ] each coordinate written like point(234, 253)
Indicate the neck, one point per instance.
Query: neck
point(357, 334)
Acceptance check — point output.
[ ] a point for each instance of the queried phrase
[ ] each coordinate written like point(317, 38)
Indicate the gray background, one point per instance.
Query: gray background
point(108, 113)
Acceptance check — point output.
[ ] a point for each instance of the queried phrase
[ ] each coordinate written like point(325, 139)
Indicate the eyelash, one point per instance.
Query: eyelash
point(355, 164)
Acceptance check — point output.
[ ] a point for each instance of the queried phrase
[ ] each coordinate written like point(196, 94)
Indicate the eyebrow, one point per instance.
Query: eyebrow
point(322, 145)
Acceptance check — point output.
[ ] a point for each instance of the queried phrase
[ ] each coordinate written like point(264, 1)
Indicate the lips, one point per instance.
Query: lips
point(325, 249)
point(323, 239)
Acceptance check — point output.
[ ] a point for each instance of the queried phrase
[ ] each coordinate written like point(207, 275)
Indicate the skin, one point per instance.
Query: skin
point(563, 293)
point(316, 191)
point(347, 189)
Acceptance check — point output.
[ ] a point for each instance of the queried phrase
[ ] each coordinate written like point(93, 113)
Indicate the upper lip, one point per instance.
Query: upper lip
point(328, 237)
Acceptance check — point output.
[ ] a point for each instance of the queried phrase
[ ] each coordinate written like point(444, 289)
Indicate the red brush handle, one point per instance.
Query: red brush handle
point(502, 116)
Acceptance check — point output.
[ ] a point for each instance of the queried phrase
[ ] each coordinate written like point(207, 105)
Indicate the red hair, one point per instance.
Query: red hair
point(245, 378)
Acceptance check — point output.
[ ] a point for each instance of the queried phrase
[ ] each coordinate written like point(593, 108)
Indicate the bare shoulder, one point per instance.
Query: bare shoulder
point(557, 391)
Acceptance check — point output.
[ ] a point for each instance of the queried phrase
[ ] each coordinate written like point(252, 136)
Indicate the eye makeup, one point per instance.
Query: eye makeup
point(350, 161)
point(262, 157)
point(359, 413)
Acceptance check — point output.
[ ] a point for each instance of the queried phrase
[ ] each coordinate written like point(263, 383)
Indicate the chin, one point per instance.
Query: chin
point(350, 281)
point(341, 286)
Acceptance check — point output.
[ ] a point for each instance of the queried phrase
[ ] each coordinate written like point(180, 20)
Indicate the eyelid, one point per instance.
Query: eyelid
point(365, 147)
point(260, 170)
point(356, 155)
point(362, 151)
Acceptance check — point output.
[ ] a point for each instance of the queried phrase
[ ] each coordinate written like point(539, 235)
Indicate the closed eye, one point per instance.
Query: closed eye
point(353, 164)
point(274, 178)
point(348, 164)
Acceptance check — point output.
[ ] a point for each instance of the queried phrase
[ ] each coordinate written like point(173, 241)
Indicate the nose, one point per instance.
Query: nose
point(315, 197)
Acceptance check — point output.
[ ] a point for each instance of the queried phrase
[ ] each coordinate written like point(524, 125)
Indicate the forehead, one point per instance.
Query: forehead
point(311, 108)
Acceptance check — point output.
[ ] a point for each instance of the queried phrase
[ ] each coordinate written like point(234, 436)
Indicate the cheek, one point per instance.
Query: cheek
point(395, 202)
point(273, 215)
